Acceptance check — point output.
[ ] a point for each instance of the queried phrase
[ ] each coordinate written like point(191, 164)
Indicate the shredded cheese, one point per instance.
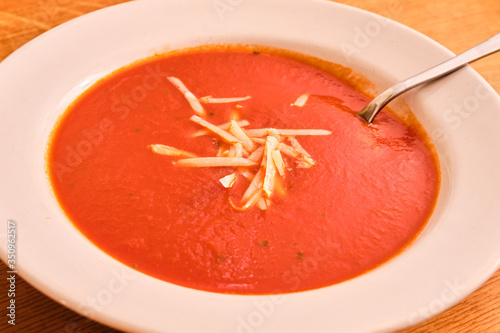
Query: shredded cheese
point(287, 150)
point(304, 165)
point(249, 203)
point(221, 151)
point(278, 162)
point(297, 146)
point(229, 138)
point(224, 126)
point(228, 180)
point(247, 174)
point(238, 149)
point(261, 132)
point(190, 97)
point(301, 100)
point(271, 144)
point(236, 130)
point(210, 99)
point(259, 141)
point(169, 151)
point(255, 186)
point(216, 162)
point(255, 154)
point(305, 155)
point(262, 204)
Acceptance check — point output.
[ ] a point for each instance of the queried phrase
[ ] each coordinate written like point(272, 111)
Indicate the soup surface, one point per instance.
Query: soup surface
point(366, 195)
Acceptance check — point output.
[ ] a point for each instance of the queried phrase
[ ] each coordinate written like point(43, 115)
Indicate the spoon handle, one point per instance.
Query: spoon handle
point(477, 52)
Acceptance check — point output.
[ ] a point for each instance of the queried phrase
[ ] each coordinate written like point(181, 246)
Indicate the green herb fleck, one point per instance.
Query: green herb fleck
point(137, 129)
point(166, 91)
point(221, 258)
point(134, 266)
point(263, 243)
point(256, 52)
point(211, 113)
point(300, 255)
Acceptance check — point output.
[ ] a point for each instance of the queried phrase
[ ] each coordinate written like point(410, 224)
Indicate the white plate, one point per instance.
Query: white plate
point(456, 253)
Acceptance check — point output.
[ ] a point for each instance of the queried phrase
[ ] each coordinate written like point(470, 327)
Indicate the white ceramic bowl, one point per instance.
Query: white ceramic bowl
point(456, 253)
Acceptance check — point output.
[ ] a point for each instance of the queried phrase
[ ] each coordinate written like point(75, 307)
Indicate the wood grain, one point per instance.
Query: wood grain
point(456, 24)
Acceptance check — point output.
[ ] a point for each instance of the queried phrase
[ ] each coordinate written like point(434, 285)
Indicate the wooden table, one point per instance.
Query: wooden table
point(457, 24)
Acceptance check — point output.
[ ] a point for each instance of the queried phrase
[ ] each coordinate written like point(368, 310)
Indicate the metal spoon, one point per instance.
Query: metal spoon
point(487, 47)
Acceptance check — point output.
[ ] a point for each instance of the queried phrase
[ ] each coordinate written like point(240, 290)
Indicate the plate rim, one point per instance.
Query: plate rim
point(81, 20)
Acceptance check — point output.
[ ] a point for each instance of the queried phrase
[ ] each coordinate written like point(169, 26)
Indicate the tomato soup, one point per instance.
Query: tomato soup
point(343, 196)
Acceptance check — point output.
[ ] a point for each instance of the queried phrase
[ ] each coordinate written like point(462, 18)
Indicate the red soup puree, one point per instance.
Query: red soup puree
point(241, 170)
